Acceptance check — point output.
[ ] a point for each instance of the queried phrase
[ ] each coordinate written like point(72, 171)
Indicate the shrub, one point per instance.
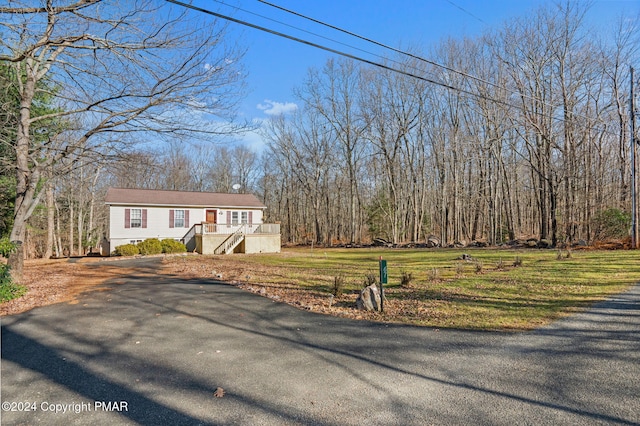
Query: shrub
point(338, 285)
point(172, 246)
point(406, 278)
point(127, 250)
point(8, 289)
point(150, 246)
point(434, 275)
point(370, 279)
point(6, 247)
point(611, 223)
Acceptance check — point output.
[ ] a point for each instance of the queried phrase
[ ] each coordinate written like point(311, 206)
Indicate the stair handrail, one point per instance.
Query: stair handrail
point(230, 241)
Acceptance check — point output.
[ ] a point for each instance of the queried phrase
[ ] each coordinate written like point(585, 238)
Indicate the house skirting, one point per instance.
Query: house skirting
point(252, 243)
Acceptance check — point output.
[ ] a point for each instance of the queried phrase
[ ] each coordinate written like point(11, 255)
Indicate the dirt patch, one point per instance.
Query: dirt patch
point(60, 280)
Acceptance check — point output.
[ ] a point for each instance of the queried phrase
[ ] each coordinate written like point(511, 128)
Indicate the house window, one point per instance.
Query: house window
point(234, 218)
point(178, 219)
point(136, 218)
point(245, 217)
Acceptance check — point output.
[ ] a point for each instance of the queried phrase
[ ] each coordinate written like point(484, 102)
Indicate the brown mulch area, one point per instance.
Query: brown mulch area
point(52, 281)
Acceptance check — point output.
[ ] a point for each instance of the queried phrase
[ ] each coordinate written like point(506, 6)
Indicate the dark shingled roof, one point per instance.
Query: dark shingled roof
point(152, 197)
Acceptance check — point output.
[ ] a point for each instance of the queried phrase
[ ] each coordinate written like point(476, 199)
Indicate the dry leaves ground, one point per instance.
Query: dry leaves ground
point(491, 294)
point(61, 280)
point(52, 281)
point(253, 277)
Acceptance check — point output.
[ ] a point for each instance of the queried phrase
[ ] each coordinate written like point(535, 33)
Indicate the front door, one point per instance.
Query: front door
point(212, 216)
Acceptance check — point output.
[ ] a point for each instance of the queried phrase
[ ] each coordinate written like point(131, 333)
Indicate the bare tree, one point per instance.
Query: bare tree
point(115, 68)
point(333, 93)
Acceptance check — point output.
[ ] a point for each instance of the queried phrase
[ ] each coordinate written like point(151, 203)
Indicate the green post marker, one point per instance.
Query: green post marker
point(383, 280)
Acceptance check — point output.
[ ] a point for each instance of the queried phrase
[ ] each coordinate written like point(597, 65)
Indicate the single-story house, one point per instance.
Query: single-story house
point(206, 222)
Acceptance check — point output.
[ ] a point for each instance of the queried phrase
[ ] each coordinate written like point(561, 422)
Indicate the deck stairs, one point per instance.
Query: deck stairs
point(231, 242)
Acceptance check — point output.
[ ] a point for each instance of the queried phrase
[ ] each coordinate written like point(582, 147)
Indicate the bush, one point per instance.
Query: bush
point(8, 289)
point(338, 285)
point(127, 250)
point(370, 279)
point(406, 278)
point(6, 247)
point(612, 223)
point(150, 246)
point(434, 275)
point(172, 246)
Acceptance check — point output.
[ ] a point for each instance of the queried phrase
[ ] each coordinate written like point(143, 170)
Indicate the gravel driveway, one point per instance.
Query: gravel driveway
point(158, 350)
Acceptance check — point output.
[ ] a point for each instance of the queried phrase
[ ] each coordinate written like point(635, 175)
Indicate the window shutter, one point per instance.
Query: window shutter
point(228, 217)
point(127, 218)
point(171, 218)
point(250, 218)
point(186, 218)
point(144, 218)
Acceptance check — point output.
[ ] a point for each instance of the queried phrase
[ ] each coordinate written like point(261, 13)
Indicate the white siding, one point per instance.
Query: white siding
point(224, 215)
point(158, 223)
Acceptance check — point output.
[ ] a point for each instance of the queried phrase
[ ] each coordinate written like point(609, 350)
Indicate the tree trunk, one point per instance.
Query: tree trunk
point(50, 220)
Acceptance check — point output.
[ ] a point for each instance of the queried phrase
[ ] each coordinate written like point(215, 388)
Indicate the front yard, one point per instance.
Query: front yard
point(493, 289)
point(486, 289)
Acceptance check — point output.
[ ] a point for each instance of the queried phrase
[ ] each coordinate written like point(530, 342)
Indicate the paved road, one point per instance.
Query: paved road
point(153, 350)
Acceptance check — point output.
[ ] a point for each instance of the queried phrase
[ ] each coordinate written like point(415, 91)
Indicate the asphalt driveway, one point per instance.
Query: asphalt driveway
point(156, 350)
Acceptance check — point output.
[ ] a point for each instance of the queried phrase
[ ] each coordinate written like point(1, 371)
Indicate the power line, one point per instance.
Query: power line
point(465, 11)
point(335, 51)
point(420, 58)
point(297, 28)
point(318, 35)
point(377, 43)
point(373, 63)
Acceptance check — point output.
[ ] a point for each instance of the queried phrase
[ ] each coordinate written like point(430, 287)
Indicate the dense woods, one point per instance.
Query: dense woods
point(526, 136)
point(522, 132)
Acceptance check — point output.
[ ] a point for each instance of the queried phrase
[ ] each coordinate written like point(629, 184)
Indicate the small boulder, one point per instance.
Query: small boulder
point(465, 257)
point(369, 298)
point(433, 241)
point(380, 242)
point(545, 243)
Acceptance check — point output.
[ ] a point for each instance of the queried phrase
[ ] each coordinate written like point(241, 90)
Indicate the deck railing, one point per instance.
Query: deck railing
point(247, 228)
point(189, 238)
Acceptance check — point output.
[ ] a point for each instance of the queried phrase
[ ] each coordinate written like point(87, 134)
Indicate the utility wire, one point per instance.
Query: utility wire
point(368, 61)
point(377, 43)
point(318, 35)
point(422, 59)
point(337, 52)
point(299, 29)
point(465, 11)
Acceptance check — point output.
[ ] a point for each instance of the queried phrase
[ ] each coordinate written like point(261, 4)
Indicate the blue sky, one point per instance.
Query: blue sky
point(276, 65)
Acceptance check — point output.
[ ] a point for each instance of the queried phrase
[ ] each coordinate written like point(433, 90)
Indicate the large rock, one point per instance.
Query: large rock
point(433, 241)
point(545, 243)
point(369, 299)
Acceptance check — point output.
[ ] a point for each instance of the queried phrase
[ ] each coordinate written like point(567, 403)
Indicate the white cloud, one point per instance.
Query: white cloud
point(270, 107)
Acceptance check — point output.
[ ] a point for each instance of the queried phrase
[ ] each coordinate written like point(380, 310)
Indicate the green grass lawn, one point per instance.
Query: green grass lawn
point(497, 290)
